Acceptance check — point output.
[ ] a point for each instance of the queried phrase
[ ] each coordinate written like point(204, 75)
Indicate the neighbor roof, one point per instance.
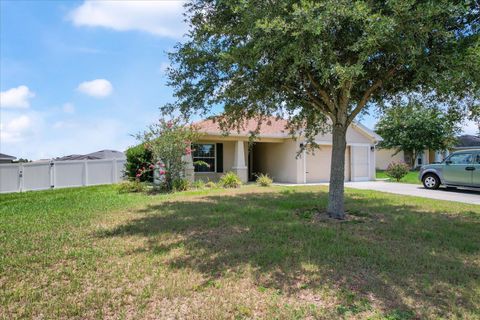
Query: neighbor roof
point(107, 154)
point(468, 141)
point(4, 156)
point(77, 157)
point(102, 154)
point(271, 127)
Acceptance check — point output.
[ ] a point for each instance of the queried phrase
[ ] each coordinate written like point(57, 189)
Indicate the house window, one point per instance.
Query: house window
point(420, 159)
point(204, 157)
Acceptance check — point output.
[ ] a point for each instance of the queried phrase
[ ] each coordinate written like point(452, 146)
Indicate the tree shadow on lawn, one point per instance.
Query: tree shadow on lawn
point(398, 257)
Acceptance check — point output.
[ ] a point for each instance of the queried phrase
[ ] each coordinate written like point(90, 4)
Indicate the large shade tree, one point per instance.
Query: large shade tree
point(322, 63)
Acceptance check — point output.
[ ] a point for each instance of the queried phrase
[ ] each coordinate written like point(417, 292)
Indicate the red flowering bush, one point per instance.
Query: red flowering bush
point(169, 142)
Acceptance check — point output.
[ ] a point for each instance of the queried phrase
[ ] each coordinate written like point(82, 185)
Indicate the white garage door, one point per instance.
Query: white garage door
point(318, 165)
point(360, 169)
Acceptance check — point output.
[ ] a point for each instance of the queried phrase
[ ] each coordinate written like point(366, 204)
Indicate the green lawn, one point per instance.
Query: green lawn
point(411, 177)
point(250, 253)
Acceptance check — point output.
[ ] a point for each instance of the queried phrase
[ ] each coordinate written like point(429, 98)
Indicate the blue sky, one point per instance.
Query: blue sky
point(79, 76)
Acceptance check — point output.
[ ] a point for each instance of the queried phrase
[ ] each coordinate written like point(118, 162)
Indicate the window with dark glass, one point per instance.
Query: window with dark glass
point(204, 157)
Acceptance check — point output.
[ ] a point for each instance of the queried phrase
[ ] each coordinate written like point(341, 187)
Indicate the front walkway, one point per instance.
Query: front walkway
point(417, 190)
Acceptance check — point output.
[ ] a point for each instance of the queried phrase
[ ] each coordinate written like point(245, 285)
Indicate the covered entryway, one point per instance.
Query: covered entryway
point(318, 164)
point(277, 158)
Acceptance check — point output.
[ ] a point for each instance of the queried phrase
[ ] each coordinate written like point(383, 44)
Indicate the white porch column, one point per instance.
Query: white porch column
point(239, 166)
point(189, 168)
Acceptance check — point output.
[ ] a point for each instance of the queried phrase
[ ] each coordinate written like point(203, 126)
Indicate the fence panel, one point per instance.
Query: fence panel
point(120, 170)
point(9, 177)
point(100, 172)
point(69, 174)
point(36, 176)
point(16, 177)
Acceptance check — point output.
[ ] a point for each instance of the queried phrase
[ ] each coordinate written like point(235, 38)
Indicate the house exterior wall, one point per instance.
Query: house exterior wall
point(385, 156)
point(279, 161)
point(278, 158)
point(228, 160)
point(353, 136)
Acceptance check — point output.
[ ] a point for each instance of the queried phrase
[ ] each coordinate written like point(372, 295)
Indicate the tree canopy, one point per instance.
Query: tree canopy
point(415, 127)
point(314, 61)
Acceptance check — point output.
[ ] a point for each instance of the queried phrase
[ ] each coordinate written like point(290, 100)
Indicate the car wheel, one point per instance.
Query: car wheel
point(431, 181)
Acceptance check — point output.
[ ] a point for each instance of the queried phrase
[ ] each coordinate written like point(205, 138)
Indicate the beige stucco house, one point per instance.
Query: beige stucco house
point(274, 152)
point(386, 156)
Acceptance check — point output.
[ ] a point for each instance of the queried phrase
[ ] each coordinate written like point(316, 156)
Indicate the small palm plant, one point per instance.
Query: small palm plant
point(230, 180)
point(264, 180)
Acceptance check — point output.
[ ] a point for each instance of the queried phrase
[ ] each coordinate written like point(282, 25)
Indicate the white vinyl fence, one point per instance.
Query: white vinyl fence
point(16, 177)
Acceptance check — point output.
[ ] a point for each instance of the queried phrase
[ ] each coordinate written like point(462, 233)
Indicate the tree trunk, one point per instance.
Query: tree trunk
point(336, 206)
point(414, 160)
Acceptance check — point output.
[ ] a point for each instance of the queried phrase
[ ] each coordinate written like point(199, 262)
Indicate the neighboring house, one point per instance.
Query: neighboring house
point(5, 158)
point(466, 142)
point(102, 154)
point(385, 156)
point(275, 153)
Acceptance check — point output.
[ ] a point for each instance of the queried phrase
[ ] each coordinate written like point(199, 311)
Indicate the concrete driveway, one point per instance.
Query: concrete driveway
point(459, 195)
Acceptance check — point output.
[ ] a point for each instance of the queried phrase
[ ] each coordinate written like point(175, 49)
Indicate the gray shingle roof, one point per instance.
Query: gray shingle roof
point(107, 154)
point(102, 154)
point(4, 156)
point(468, 141)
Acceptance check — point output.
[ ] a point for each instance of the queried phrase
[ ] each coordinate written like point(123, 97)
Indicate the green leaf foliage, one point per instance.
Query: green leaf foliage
point(264, 180)
point(315, 60)
point(230, 180)
point(139, 157)
point(397, 170)
point(414, 127)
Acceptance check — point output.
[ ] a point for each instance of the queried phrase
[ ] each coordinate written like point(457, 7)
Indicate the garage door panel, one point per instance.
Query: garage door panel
point(361, 163)
point(318, 165)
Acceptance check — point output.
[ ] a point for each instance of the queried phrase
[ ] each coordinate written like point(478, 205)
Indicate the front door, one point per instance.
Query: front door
point(476, 172)
point(458, 169)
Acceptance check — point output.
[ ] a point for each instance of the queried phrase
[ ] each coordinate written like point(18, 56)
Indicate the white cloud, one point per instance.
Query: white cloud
point(68, 108)
point(16, 129)
point(16, 97)
point(162, 18)
point(98, 88)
